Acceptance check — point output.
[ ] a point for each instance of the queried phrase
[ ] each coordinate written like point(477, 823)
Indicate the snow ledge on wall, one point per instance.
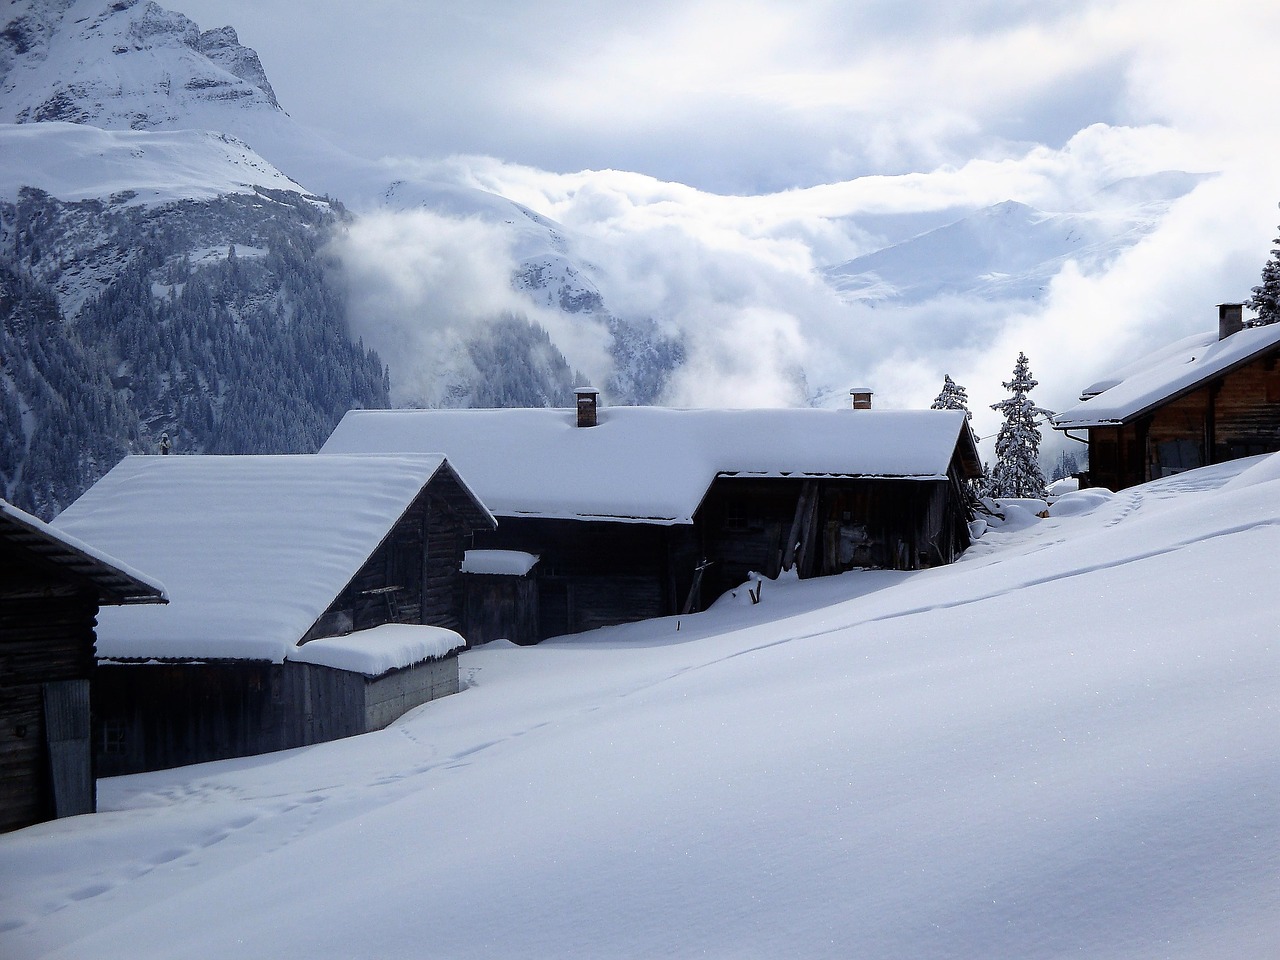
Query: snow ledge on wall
point(373, 652)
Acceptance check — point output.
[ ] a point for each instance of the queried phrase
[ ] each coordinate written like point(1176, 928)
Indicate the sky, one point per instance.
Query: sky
point(751, 97)
point(712, 157)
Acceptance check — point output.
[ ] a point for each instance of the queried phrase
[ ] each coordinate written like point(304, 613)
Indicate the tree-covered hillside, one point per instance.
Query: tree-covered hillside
point(215, 322)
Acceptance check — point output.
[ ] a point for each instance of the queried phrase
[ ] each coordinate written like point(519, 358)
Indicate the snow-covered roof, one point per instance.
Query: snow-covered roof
point(654, 464)
point(506, 563)
point(253, 549)
point(373, 652)
point(115, 581)
point(1165, 375)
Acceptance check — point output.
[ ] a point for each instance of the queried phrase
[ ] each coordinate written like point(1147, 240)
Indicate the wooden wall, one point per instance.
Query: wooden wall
point(595, 573)
point(1237, 415)
point(745, 525)
point(414, 574)
point(501, 608)
point(592, 573)
point(46, 660)
point(153, 716)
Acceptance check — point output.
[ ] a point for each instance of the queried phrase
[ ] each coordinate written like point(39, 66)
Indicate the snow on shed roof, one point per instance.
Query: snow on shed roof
point(653, 464)
point(500, 563)
point(115, 581)
point(1165, 375)
point(253, 549)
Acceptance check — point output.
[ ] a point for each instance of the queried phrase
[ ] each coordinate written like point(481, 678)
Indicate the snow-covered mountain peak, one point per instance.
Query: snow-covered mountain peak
point(124, 64)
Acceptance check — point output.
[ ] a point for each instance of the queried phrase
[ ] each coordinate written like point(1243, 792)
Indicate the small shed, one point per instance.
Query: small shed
point(309, 599)
point(640, 512)
point(501, 590)
point(1206, 399)
point(51, 588)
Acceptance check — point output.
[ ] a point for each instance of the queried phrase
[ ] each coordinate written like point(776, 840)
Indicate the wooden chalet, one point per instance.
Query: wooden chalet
point(1206, 399)
point(309, 600)
point(51, 587)
point(638, 512)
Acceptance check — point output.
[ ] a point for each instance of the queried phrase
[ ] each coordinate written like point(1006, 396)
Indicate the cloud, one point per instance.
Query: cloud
point(738, 278)
point(708, 159)
point(420, 285)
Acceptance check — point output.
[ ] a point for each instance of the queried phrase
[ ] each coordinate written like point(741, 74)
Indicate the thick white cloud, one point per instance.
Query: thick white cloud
point(420, 285)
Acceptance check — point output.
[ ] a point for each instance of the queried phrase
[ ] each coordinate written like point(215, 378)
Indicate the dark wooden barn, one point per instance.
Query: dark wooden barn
point(309, 600)
point(51, 587)
point(1207, 399)
point(644, 512)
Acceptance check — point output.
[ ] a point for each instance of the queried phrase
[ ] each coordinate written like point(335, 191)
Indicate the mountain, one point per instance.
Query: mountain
point(154, 278)
point(1009, 251)
point(123, 64)
point(135, 66)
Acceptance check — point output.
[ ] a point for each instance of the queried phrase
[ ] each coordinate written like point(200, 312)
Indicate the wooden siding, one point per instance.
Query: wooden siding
point(1237, 415)
point(154, 716)
point(500, 608)
point(413, 576)
point(594, 573)
point(46, 644)
point(745, 526)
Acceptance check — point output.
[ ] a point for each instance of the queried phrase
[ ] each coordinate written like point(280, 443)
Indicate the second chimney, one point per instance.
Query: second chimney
point(1230, 319)
point(588, 401)
point(861, 398)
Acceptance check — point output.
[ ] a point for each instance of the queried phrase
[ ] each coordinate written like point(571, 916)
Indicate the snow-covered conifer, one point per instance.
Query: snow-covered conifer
point(952, 397)
point(1266, 296)
point(1017, 472)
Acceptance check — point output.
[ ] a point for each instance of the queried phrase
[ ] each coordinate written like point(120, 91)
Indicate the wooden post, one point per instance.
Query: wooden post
point(66, 725)
point(692, 599)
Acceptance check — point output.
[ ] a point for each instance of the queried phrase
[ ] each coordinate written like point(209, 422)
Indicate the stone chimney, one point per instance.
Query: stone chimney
point(861, 398)
point(588, 401)
point(1230, 319)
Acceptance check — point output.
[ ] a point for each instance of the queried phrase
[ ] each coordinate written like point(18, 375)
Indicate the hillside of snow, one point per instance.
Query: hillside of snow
point(1007, 252)
point(75, 162)
point(1063, 745)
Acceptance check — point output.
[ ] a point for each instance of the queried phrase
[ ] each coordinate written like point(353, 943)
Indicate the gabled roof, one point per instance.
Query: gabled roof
point(114, 581)
point(655, 465)
point(253, 549)
point(1166, 375)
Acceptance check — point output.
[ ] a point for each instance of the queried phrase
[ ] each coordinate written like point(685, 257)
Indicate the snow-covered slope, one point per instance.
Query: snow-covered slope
point(1006, 252)
point(133, 65)
point(75, 161)
point(1061, 746)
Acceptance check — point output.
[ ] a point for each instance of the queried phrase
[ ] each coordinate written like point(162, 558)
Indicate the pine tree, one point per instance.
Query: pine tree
point(952, 397)
point(1266, 296)
point(1017, 471)
point(1065, 466)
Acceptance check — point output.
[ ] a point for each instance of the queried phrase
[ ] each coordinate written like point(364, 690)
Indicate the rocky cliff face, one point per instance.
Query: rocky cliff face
point(121, 64)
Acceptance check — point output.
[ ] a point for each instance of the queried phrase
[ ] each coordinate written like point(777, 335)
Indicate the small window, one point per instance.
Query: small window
point(735, 515)
point(113, 737)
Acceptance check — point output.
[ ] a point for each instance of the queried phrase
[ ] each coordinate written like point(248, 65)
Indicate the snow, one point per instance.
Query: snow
point(649, 463)
point(74, 162)
point(1064, 486)
point(1063, 745)
point(373, 652)
point(509, 563)
point(253, 549)
point(1174, 370)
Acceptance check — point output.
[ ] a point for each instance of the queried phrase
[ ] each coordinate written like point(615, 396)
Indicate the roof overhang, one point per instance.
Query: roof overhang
point(115, 583)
